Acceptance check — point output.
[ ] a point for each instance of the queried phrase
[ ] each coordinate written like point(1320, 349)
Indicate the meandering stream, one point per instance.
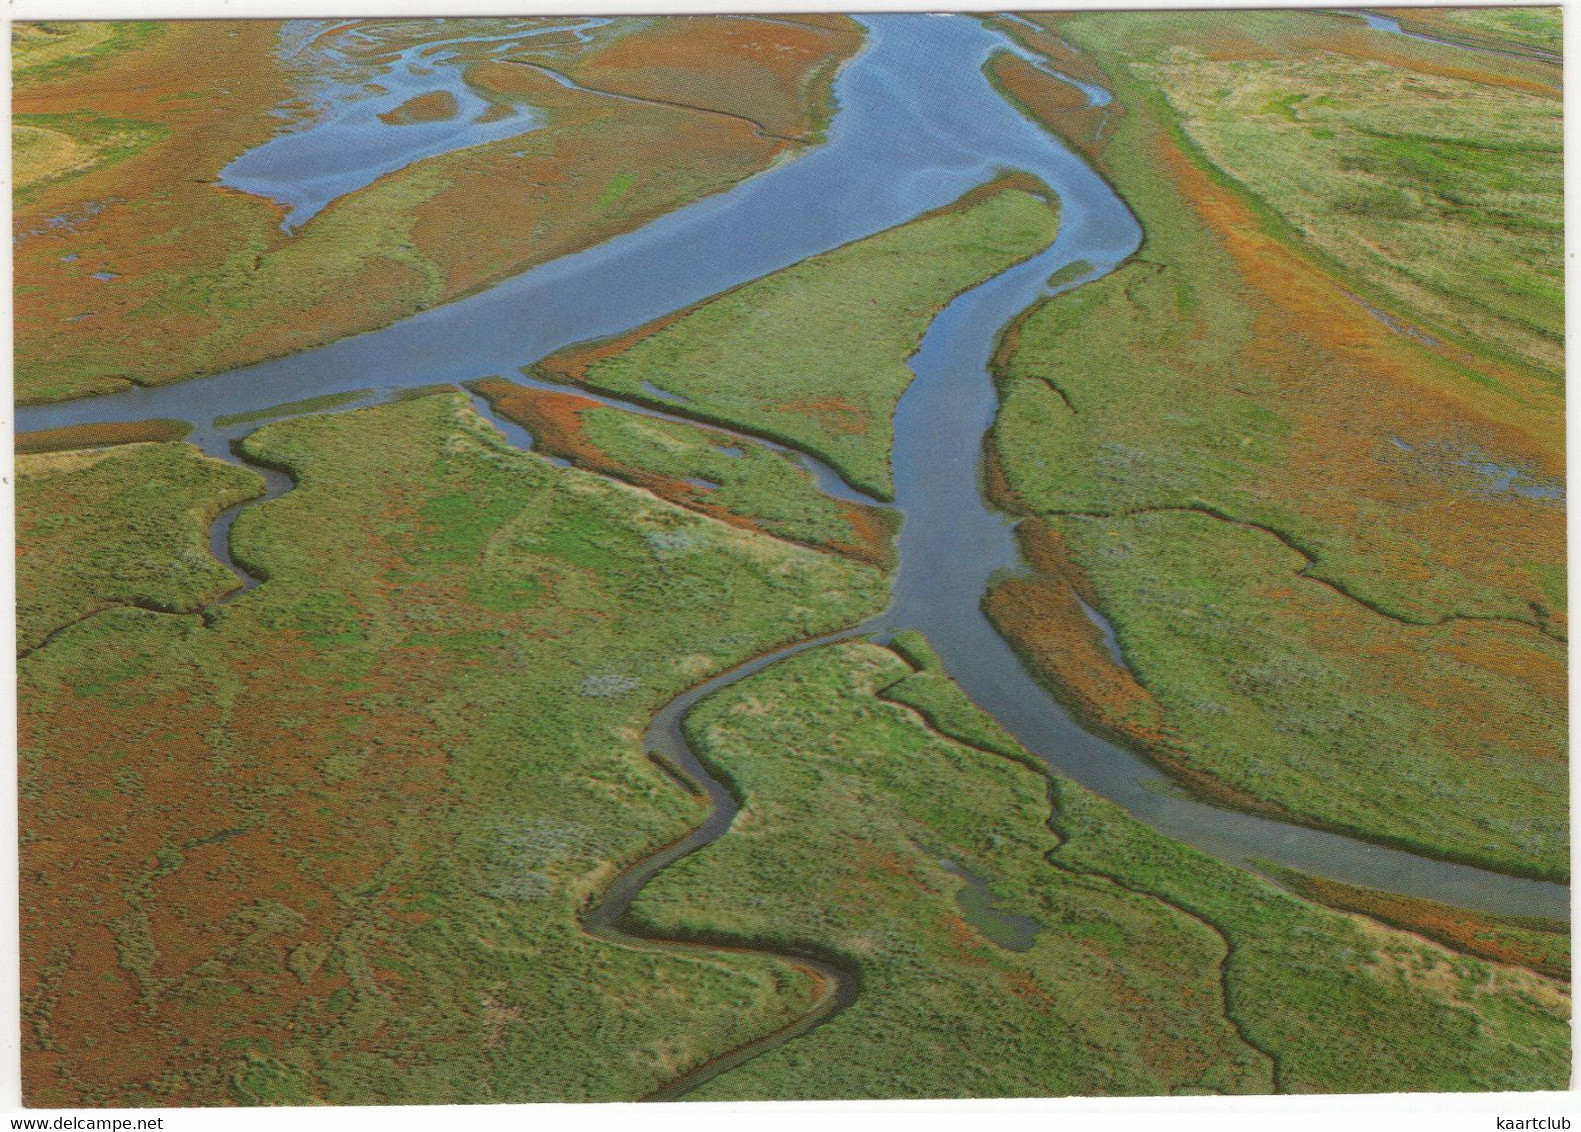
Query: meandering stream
point(918, 125)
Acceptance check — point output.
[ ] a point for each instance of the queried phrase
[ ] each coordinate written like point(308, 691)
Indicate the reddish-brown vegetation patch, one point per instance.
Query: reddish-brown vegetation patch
point(872, 534)
point(765, 71)
point(1357, 42)
point(73, 437)
point(833, 414)
point(1043, 623)
point(1541, 948)
point(1050, 100)
point(213, 84)
point(435, 106)
point(224, 907)
point(206, 830)
point(1308, 305)
point(828, 21)
point(553, 420)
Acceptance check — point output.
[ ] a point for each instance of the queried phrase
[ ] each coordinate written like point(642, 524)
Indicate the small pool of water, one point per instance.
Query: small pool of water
point(1507, 477)
point(980, 906)
point(1487, 475)
point(1393, 323)
point(1111, 643)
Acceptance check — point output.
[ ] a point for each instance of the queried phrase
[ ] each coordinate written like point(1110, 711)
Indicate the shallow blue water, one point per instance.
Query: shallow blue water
point(343, 145)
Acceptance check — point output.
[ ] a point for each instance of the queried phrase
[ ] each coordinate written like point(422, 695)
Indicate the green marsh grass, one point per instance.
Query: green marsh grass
point(1156, 969)
point(421, 739)
point(123, 526)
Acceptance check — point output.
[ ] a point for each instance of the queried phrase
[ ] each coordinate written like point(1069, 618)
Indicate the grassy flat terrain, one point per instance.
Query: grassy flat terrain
point(337, 840)
point(1443, 194)
point(815, 355)
point(1341, 1003)
point(1542, 28)
point(205, 281)
point(51, 147)
point(292, 408)
point(61, 45)
point(126, 526)
point(1300, 699)
point(1223, 407)
point(1104, 960)
point(739, 481)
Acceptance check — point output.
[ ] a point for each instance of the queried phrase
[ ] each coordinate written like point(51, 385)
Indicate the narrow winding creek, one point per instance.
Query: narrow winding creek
point(918, 125)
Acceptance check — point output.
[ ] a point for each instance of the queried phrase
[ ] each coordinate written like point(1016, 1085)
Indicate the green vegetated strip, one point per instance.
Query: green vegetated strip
point(425, 728)
point(716, 472)
point(1070, 273)
point(619, 185)
point(124, 526)
point(1444, 193)
point(815, 355)
point(765, 484)
point(1538, 943)
point(293, 408)
point(1169, 384)
point(1156, 969)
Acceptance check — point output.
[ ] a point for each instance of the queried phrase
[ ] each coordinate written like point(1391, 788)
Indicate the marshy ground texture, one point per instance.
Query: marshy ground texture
point(730, 477)
point(1152, 969)
point(328, 840)
point(330, 846)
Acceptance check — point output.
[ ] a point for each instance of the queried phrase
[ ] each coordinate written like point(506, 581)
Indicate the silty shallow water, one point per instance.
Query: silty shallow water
point(343, 144)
